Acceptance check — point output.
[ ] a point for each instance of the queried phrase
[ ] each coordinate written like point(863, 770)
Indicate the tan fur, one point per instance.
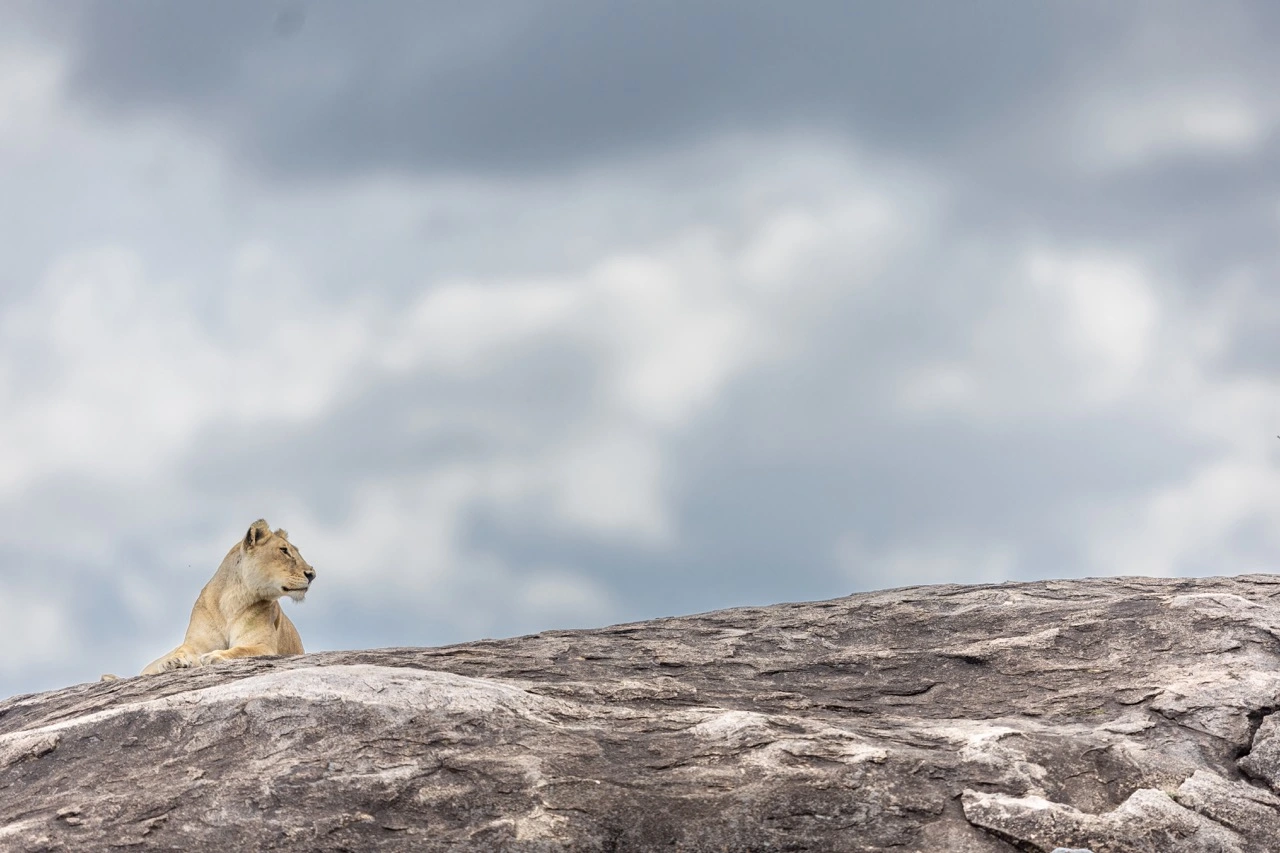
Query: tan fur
point(237, 614)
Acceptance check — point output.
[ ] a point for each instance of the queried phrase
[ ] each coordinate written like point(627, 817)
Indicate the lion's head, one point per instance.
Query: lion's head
point(272, 566)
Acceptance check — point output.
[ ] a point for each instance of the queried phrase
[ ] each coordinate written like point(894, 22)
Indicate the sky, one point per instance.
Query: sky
point(536, 314)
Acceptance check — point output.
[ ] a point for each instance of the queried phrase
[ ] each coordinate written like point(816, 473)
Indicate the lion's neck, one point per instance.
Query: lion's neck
point(233, 596)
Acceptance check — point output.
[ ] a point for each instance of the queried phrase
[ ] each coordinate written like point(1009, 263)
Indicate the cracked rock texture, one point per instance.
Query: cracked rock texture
point(1122, 714)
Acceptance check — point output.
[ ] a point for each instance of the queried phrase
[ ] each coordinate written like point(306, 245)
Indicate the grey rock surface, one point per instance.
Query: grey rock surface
point(1123, 714)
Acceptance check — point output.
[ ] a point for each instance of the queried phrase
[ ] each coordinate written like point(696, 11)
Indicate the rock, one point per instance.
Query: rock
point(1107, 715)
point(1263, 761)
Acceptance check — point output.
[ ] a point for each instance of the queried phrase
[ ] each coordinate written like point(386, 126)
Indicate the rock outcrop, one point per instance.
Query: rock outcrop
point(1107, 715)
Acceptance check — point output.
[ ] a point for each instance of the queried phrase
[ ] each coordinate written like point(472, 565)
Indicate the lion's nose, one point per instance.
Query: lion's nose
point(310, 573)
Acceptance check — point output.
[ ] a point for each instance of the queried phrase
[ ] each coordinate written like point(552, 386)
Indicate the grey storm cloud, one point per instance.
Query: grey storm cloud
point(980, 91)
point(535, 86)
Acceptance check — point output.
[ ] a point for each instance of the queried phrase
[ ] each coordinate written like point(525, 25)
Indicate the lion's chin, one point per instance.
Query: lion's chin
point(297, 594)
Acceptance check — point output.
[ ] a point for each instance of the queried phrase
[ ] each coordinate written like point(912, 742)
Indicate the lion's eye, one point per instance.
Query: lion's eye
point(284, 550)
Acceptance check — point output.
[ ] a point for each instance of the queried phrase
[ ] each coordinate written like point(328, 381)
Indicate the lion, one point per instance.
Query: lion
point(237, 614)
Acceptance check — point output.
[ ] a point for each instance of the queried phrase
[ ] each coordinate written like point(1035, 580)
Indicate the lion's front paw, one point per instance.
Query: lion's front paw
point(175, 662)
point(213, 657)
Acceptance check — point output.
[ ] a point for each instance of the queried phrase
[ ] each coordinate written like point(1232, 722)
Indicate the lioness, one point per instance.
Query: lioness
point(237, 614)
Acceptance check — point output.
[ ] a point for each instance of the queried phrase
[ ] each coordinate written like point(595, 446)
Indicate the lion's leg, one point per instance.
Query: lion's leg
point(182, 656)
point(256, 650)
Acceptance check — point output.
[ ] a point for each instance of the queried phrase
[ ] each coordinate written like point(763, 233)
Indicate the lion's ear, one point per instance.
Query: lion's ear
point(258, 533)
point(283, 534)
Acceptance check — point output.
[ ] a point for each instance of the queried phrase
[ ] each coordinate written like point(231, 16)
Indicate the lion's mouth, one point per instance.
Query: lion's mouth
point(296, 588)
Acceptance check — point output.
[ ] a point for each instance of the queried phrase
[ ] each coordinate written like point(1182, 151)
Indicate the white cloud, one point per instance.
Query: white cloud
point(29, 89)
point(1194, 519)
point(1066, 331)
point(557, 597)
point(1145, 121)
point(668, 327)
point(611, 483)
point(37, 630)
point(672, 323)
point(108, 388)
point(1094, 332)
point(676, 329)
point(942, 560)
point(122, 374)
point(1189, 526)
point(1151, 126)
point(460, 327)
point(405, 544)
point(854, 234)
point(400, 538)
point(941, 386)
point(1108, 312)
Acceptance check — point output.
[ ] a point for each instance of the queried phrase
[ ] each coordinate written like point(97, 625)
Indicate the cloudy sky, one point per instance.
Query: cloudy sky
point(525, 315)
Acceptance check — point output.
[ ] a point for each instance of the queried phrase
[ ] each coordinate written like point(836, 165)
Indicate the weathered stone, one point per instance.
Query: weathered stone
point(1263, 761)
point(1104, 715)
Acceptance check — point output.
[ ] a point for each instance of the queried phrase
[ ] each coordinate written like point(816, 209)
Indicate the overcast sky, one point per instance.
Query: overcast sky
point(527, 315)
